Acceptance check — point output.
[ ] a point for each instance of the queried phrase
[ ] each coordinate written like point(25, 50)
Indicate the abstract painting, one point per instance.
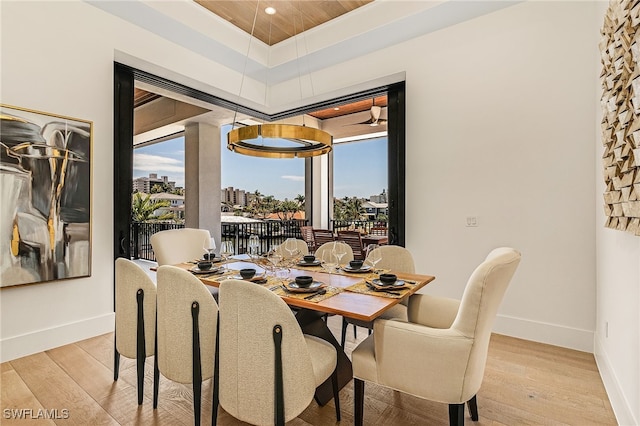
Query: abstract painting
point(45, 196)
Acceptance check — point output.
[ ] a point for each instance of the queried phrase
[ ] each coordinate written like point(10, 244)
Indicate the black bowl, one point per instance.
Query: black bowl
point(247, 273)
point(205, 265)
point(304, 281)
point(355, 264)
point(309, 258)
point(388, 279)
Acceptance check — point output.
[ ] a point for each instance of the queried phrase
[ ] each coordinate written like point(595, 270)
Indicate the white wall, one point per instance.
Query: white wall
point(500, 125)
point(617, 340)
point(58, 57)
point(500, 114)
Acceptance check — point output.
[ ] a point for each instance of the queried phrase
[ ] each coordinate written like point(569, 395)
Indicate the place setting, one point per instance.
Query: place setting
point(386, 285)
point(309, 260)
point(305, 287)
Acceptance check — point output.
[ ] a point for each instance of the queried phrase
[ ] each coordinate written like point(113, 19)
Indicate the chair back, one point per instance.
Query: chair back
point(307, 236)
point(130, 278)
point(178, 290)
point(322, 236)
point(179, 245)
point(354, 240)
point(328, 247)
point(248, 315)
point(301, 246)
point(479, 306)
point(395, 258)
point(378, 230)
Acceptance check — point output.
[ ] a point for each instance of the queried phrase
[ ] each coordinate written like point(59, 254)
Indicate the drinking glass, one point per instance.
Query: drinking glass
point(373, 255)
point(210, 246)
point(328, 261)
point(226, 251)
point(275, 258)
point(254, 246)
point(339, 250)
point(291, 245)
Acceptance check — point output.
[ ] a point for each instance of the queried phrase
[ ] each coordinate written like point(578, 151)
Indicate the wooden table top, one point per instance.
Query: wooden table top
point(349, 304)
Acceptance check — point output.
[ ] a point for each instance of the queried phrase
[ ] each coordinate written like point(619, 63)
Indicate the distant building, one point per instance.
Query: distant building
point(375, 209)
point(381, 198)
point(144, 184)
point(234, 197)
point(176, 207)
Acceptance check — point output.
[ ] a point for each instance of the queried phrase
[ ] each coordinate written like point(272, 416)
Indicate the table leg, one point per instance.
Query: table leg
point(312, 323)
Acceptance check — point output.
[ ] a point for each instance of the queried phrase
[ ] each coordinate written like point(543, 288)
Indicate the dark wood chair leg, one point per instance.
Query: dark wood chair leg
point(336, 392)
point(196, 362)
point(116, 360)
point(473, 408)
point(141, 350)
point(156, 371)
point(358, 409)
point(456, 414)
point(345, 324)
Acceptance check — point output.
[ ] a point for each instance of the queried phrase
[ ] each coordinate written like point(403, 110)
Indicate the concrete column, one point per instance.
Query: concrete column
point(319, 189)
point(202, 178)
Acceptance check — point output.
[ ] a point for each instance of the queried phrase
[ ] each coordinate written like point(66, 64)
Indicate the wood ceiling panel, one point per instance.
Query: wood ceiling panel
point(291, 18)
point(351, 108)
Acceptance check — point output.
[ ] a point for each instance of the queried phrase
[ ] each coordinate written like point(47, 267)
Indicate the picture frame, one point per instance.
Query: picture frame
point(46, 193)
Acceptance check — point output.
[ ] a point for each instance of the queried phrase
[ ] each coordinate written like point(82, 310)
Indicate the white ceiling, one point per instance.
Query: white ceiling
point(374, 26)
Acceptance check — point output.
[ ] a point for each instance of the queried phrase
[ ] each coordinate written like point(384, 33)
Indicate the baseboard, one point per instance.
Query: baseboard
point(552, 334)
point(42, 340)
point(619, 404)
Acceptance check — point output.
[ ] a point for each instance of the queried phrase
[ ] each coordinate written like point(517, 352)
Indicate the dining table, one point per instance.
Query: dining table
point(374, 239)
point(344, 292)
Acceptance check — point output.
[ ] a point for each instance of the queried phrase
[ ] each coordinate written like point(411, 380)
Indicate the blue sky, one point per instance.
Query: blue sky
point(359, 169)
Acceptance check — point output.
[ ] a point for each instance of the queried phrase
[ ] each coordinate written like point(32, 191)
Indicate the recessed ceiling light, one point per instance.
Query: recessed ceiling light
point(270, 11)
point(336, 109)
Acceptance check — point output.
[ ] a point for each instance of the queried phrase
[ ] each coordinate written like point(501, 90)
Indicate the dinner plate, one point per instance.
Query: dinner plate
point(398, 285)
point(360, 270)
point(295, 288)
point(215, 260)
point(314, 263)
point(199, 271)
point(254, 278)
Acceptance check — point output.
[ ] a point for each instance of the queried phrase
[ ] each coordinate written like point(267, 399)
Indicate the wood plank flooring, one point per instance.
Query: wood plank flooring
point(525, 383)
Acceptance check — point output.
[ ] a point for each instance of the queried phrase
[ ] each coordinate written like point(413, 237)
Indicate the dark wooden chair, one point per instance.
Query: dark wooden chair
point(378, 230)
point(354, 240)
point(307, 236)
point(321, 236)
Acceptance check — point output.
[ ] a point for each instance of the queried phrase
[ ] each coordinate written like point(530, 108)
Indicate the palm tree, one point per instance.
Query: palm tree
point(300, 200)
point(143, 208)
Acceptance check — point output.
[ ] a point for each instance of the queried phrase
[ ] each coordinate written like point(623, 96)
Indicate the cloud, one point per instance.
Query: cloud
point(293, 178)
point(157, 164)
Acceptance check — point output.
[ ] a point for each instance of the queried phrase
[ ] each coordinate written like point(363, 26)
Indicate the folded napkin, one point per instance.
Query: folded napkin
point(366, 288)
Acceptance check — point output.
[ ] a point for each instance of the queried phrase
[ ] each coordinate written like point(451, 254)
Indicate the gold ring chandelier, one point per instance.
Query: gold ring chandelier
point(309, 141)
point(268, 140)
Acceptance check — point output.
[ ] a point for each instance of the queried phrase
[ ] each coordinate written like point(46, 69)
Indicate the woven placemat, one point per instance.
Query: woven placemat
point(329, 292)
point(363, 287)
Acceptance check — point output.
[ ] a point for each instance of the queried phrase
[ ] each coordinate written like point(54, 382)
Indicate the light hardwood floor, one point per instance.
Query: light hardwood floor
point(525, 383)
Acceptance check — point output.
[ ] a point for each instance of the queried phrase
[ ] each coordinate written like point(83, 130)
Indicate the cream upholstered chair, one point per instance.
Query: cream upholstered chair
point(396, 259)
point(186, 333)
point(327, 247)
point(269, 369)
point(179, 245)
point(175, 246)
point(135, 318)
point(440, 354)
point(301, 246)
